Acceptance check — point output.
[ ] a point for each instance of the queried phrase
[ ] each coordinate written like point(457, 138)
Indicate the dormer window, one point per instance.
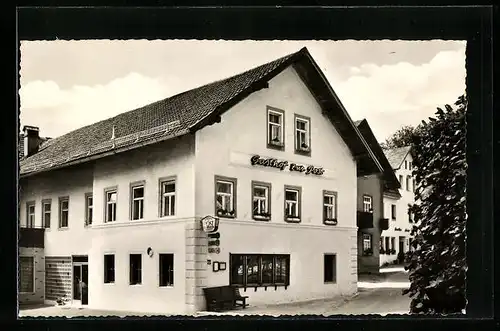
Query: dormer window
point(275, 128)
point(302, 135)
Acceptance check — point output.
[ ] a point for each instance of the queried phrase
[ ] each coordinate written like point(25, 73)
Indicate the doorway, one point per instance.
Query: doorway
point(80, 273)
point(401, 244)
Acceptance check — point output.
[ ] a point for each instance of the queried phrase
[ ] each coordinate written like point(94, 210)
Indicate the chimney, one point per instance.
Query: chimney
point(31, 140)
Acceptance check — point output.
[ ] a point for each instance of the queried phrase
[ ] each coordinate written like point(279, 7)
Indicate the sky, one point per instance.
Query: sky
point(65, 85)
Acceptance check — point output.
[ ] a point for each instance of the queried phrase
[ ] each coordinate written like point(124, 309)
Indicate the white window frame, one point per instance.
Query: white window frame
point(45, 212)
point(34, 273)
point(133, 199)
point(330, 206)
point(110, 204)
point(271, 125)
point(367, 238)
point(290, 203)
point(367, 203)
point(267, 200)
point(89, 207)
point(30, 216)
point(167, 208)
point(220, 211)
point(62, 210)
point(305, 132)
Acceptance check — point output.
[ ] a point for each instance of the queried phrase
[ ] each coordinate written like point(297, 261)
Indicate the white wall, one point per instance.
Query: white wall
point(72, 182)
point(124, 236)
point(225, 149)
point(401, 222)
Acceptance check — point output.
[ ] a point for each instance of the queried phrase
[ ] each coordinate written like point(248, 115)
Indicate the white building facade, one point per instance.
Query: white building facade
point(398, 237)
point(277, 173)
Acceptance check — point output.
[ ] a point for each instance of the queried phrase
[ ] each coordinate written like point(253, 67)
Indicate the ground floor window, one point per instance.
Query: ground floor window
point(166, 269)
point(135, 269)
point(109, 268)
point(367, 244)
point(259, 270)
point(330, 268)
point(393, 245)
point(26, 274)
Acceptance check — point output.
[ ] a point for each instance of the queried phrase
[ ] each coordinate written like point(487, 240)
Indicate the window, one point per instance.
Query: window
point(26, 274)
point(393, 212)
point(367, 204)
point(137, 203)
point(381, 248)
point(401, 180)
point(167, 198)
point(292, 204)
point(387, 244)
point(393, 244)
point(261, 201)
point(329, 207)
point(275, 128)
point(111, 197)
point(406, 164)
point(410, 165)
point(408, 183)
point(410, 214)
point(109, 268)
point(225, 197)
point(302, 134)
point(30, 214)
point(46, 211)
point(166, 269)
point(367, 241)
point(63, 212)
point(89, 203)
point(413, 185)
point(259, 270)
point(330, 268)
point(135, 269)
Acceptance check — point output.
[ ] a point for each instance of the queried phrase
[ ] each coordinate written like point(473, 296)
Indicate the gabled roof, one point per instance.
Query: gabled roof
point(396, 156)
point(391, 182)
point(190, 111)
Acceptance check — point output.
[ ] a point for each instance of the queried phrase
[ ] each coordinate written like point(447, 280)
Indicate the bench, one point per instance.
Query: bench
point(223, 297)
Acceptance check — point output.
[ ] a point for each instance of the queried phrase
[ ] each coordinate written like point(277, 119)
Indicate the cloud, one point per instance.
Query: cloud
point(404, 91)
point(57, 111)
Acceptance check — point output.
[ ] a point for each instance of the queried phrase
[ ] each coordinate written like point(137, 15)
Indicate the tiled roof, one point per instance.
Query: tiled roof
point(43, 141)
point(190, 111)
point(391, 181)
point(396, 156)
point(157, 121)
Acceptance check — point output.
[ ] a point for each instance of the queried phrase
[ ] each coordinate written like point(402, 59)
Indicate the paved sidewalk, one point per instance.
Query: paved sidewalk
point(377, 294)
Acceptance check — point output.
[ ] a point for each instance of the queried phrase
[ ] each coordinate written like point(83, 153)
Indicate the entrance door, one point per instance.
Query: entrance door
point(77, 275)
point(401, 244)
point(80, 272)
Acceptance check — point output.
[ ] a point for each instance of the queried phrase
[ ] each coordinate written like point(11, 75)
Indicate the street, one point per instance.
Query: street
point(377, 294)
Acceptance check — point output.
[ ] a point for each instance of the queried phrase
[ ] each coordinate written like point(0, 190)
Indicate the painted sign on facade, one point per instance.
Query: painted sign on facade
point(257, 160)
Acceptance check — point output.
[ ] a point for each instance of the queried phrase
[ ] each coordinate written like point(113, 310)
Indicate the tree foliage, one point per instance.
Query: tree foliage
point(401, 138)
point(437, 265)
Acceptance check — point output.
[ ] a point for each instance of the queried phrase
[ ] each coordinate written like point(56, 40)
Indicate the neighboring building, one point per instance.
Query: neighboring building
point(398, 238)
point(372, 218)
point(271, 152)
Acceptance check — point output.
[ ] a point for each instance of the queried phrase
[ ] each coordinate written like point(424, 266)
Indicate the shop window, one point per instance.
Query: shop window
point(256, 270)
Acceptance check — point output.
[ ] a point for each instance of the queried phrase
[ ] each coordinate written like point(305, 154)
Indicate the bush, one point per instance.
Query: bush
point(437, 265)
